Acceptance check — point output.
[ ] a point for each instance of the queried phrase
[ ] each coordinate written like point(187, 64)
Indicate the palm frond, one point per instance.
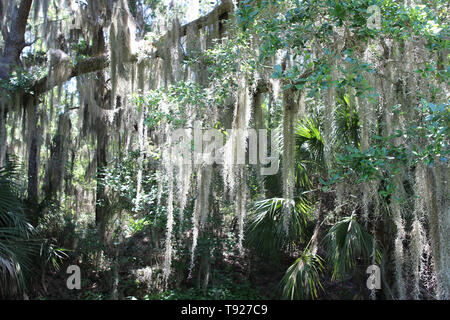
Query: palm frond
point(347, 130)
point(347, 241)
point(52, 255)
point(266, 230)
point(16, 245)
point(302, 279)
point(309, 150)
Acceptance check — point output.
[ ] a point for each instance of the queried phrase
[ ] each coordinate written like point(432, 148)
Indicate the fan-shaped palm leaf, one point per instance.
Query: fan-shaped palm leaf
point(266, 230)
point(302, 279)
point(16, 247)
point(347, 130)
point(347, 241)
point(309, 150)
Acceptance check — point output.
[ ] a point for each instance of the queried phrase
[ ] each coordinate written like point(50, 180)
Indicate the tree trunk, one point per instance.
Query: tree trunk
point(58, 156)
point(14, 38)
point(3, 136)
point(34, 141)
point(101, 205)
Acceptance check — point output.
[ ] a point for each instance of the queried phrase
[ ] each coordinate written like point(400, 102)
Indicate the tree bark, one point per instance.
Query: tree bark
point(3, 135)
point(34, 141)
point(15, 42)
point(101, 204)
point(14, 38)
point(58, 156)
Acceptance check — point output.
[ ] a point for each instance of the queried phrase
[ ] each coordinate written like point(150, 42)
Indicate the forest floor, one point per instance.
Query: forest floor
point(234, 277)
point(259, 279)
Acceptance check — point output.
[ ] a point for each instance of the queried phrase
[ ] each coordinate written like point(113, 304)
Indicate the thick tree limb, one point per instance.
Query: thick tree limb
point(15, 42)
point(92, 64)
point(14, 38)
point(225, 7)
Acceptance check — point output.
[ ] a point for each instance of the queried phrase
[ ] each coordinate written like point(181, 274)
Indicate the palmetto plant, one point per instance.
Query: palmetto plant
point(302, 279)
point(265, 229)
point(309, 141)
point(347, 131)
point(346, 242)
point(16, 245)
point(309, 148)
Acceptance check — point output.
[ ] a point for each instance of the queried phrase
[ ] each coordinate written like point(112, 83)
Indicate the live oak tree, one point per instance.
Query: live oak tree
point(359, 108)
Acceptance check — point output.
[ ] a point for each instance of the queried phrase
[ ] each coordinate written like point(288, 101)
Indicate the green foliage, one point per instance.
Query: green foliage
point(137, 225)
point(288, 26)
point(386, 157)
point(347, 241)
point(347, 123)
point(227, 61)
point(432, 136)
point(302, 279)
point(120, 179)
point(55, 229)
point(22, 80)
point(381, 162)
point(93, 295)
point(309, 148)
point(265, 228)
point(179, 95)
point(430, 21)
point(16, 244)
point(226, 287)
point(51, 255)
point(80, 49)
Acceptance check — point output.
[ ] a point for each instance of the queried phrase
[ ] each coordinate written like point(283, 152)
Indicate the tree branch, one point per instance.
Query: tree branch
point(92, 64)
point(14, 38)
point(225, 6)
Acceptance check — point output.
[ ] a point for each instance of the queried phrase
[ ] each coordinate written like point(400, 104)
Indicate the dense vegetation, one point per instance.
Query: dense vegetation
point(353, 99)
